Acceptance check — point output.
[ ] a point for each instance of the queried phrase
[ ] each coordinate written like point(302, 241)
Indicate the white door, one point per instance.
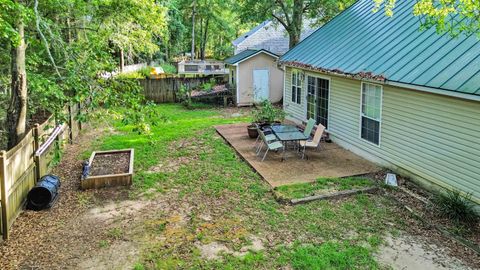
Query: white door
point(260, 85)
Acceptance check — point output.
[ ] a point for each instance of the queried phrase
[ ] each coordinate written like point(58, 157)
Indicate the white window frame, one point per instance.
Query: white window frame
point(298, 87)
point(362, 115)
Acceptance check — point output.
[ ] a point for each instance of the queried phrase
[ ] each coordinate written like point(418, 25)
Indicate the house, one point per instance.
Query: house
point(268, 36)
point(203, 67)
point(255, 76)
point(404, 98)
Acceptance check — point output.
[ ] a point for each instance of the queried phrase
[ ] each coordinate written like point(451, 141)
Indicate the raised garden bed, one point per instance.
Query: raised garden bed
point(109, 168)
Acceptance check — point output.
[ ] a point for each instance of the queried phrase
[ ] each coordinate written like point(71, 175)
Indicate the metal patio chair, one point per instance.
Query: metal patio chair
point(315, 142)
point(271, 145)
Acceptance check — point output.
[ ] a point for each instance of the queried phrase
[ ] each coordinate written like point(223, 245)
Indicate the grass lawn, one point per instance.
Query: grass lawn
point(215, 205)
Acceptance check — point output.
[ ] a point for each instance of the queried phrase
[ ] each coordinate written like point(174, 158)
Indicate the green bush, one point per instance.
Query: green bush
point(267, 113)
point(454, 206)
point(169, 68)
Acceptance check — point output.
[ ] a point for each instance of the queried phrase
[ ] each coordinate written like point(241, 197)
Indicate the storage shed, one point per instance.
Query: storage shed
point(255, 76)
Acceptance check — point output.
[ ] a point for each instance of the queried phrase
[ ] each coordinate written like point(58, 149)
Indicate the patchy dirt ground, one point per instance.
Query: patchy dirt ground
point(114, 228)
point(414, 252)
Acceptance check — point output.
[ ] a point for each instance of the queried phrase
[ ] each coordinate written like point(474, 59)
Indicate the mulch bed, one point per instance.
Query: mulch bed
point(105, 164)
point(421, 219)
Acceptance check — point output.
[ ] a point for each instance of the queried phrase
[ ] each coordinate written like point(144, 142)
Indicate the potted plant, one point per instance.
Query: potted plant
point(265, 114)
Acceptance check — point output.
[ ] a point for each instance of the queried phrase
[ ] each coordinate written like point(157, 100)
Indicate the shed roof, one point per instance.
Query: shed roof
point(366, 44)
point(239, 57)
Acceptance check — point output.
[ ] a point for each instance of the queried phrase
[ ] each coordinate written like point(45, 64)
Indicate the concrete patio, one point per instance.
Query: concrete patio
point(331, 161)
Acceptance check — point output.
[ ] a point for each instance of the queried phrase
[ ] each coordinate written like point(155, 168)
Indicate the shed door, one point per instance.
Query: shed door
point(260, 85)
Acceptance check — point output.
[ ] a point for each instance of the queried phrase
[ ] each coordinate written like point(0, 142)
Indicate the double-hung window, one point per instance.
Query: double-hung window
point(296, 87)
point(371, 115)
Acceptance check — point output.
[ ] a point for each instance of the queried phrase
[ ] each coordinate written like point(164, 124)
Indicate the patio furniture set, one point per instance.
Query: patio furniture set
point(278, 137)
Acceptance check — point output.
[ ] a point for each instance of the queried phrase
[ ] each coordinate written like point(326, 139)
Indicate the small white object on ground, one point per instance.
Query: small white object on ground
point(391, 180)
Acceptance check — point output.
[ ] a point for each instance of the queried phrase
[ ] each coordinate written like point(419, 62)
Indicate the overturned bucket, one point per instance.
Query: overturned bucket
point(44, 194)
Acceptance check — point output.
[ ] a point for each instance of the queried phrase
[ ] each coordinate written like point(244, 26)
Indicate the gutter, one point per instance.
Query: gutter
point(370, 77)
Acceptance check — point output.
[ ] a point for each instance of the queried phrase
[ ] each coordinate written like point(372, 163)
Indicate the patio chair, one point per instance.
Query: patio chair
point(271, 145)
point(315, 143)
point(268, 135)
point(308, 129)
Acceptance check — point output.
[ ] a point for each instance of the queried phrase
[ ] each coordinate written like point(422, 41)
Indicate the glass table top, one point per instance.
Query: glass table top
point(291, 136)
point(284, 128)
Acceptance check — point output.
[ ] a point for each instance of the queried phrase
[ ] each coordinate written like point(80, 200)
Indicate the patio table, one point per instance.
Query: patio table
point(288, 133)
point(284, 128)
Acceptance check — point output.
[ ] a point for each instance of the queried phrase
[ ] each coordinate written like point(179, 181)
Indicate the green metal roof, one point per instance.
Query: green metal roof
point(244, 55)
point(371, 45)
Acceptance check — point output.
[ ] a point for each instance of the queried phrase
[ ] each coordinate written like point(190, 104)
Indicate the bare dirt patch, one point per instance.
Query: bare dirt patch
point(105, 164)
point(411, 252)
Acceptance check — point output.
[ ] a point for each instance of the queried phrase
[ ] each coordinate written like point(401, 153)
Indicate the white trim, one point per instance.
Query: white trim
point(257, 53)
point(329, 95)
point(361, 115)
point(236, 84)
point(301, 86)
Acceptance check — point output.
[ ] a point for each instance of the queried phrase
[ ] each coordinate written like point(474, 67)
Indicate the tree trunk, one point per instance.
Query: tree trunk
point(204, 41)
point(17, 110)
point(122, 60)
point(193, 31)
point(295, 29)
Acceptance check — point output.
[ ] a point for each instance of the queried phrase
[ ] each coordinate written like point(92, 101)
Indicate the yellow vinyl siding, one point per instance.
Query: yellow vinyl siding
point(427, 136)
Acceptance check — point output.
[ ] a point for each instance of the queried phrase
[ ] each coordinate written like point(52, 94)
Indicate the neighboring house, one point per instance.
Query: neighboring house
point(203, 67)
point(268, 36)
point(255, 76)
point(406, 99)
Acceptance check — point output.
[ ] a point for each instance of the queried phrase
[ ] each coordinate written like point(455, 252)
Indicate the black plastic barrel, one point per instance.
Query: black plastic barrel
point(44, 194)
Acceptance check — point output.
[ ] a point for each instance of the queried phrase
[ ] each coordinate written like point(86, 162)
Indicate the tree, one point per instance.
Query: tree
point(12, 24)
point(70, 43)
point(291, 13)
point(452, 16)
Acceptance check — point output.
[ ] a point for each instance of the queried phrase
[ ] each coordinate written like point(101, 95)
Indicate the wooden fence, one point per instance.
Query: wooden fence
point(23, 165)
point(165, 90)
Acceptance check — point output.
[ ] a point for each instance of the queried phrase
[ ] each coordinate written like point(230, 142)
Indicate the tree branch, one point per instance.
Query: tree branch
point(280, 21)
point(37, 23)
point(285, 11)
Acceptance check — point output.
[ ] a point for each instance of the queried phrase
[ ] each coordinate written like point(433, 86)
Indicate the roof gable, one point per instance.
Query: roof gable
point(240, 57)
point(243, 37)
point(365, 44)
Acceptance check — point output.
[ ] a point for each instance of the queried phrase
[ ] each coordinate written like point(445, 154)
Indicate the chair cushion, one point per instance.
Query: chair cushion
point(308, 144)
point(275, 145)
point(270, 137)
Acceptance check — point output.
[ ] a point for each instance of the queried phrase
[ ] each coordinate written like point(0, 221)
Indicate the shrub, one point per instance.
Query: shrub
point(267, 113)
point(454, 206)
point(169, 68)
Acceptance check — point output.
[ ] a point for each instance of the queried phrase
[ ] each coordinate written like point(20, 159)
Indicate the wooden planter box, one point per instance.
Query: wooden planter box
point(108, 179)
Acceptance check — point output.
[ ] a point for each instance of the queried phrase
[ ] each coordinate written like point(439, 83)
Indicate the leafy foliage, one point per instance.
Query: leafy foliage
point(452, 16)
point(454, 206)
point(267, 113)
point(291, 13)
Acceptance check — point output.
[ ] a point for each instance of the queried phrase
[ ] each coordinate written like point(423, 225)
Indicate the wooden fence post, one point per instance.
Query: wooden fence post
point(36, 145)
point(70, 123)
point(4, 193)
